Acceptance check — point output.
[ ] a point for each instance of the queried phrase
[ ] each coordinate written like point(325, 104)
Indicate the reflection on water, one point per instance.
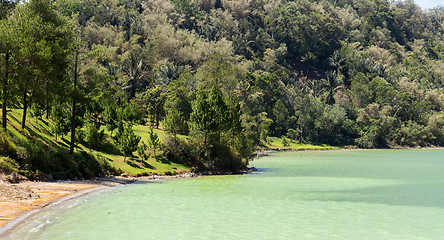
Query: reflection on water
point(381, 194)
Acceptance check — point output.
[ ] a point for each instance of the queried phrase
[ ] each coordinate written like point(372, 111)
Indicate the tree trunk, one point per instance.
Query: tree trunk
point(25, 107)
point(46, 101)
point(157, 121)
point(73, 117)
point(5, 90)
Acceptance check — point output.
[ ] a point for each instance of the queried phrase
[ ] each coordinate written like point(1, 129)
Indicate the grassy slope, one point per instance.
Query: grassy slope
point(40, 129)
point(276, 144)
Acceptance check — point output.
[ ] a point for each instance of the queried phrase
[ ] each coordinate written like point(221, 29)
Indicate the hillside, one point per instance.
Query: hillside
point(223, 78)
point(36, 150)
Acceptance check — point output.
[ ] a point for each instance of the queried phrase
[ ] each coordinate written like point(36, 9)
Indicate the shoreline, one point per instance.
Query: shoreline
point(22, 200)
point(264, 152)
point(12, 224)
point(38, 196)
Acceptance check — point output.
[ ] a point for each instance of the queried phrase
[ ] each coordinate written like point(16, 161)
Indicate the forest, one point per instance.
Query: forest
point(221, 77)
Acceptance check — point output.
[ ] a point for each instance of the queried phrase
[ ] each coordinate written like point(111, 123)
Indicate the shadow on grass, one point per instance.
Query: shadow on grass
point(162, 159)
point(133, 164)
point(147, 165)
point(45, 140)
point(110, 148)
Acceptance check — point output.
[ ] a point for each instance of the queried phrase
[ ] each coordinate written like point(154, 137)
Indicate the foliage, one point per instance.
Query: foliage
point(93, 135)
point(153, 141)
point(175, 123)
point(154, 100)
point(61, 121)
point(285, 141)
point(230, 75)
point(7, 147)
point(8, 165)
point(110, 118)
point(141, 151)
point(128, 140)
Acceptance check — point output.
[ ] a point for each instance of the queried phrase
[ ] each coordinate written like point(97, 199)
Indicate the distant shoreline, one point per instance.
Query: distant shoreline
point(268, 151)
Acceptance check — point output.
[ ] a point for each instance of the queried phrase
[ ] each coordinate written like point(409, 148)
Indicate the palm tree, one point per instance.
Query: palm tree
point(333, 84)
point(168, 73)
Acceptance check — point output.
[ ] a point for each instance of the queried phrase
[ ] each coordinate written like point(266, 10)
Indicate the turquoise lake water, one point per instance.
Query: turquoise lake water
point(374, 194)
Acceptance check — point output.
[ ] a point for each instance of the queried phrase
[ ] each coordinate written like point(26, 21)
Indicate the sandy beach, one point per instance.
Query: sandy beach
point(17, 201)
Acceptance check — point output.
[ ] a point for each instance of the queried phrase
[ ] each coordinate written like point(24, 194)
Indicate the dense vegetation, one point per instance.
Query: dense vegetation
point(224, 76)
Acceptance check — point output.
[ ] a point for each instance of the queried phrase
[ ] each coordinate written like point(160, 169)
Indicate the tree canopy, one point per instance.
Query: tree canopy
point(364, 73)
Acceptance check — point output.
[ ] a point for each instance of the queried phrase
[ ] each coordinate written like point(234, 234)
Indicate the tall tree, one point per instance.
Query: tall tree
point(210, 115)
point(155, 100)
point(7, 47)
point(44, 39)
point(74, 97)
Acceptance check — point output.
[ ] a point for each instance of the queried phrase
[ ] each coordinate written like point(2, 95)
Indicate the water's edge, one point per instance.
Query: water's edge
point(15, 223)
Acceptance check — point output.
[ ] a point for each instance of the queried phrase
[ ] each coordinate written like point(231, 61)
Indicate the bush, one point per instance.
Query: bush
point(293, 134)
point(22, 154)
point(63, 166)
point(7, 147)
point(285, 141)
point(8, 165)
point(106, 168)
point(220, 157)
point(177, 151)
point(93, 136)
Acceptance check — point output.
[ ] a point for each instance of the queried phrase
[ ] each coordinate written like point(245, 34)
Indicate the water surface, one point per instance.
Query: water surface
point(378, 194)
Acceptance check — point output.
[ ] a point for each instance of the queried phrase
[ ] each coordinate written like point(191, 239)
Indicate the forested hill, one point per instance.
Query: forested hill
point(233, 73)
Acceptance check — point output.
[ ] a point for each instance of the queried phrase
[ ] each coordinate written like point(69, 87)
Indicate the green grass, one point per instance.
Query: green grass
point(133, 166)
point(277, 144)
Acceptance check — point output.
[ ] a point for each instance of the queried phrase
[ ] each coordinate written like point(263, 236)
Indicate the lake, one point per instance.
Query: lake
point(357, 194)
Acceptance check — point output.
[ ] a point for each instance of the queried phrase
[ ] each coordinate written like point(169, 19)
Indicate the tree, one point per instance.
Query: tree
point(155, 100)
point(210, 115)
point(128, 141)
point(44, 38)
point(5, 7)
point(153, 141)
point(93, 135)
point(74, 94)
point(110, 118)
point(177, 101)
point(333, 84)
point(141, 151)
point(7, 47)
point(60, 120)
point(174, 122)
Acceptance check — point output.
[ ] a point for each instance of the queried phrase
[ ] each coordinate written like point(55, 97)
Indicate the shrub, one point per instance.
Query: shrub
point(93, 136)
point(176, 150)
point(22, 154)
point(63, 166)
point(293, 134)
point(8, 165)
point(7, 147)
point(285, 141)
